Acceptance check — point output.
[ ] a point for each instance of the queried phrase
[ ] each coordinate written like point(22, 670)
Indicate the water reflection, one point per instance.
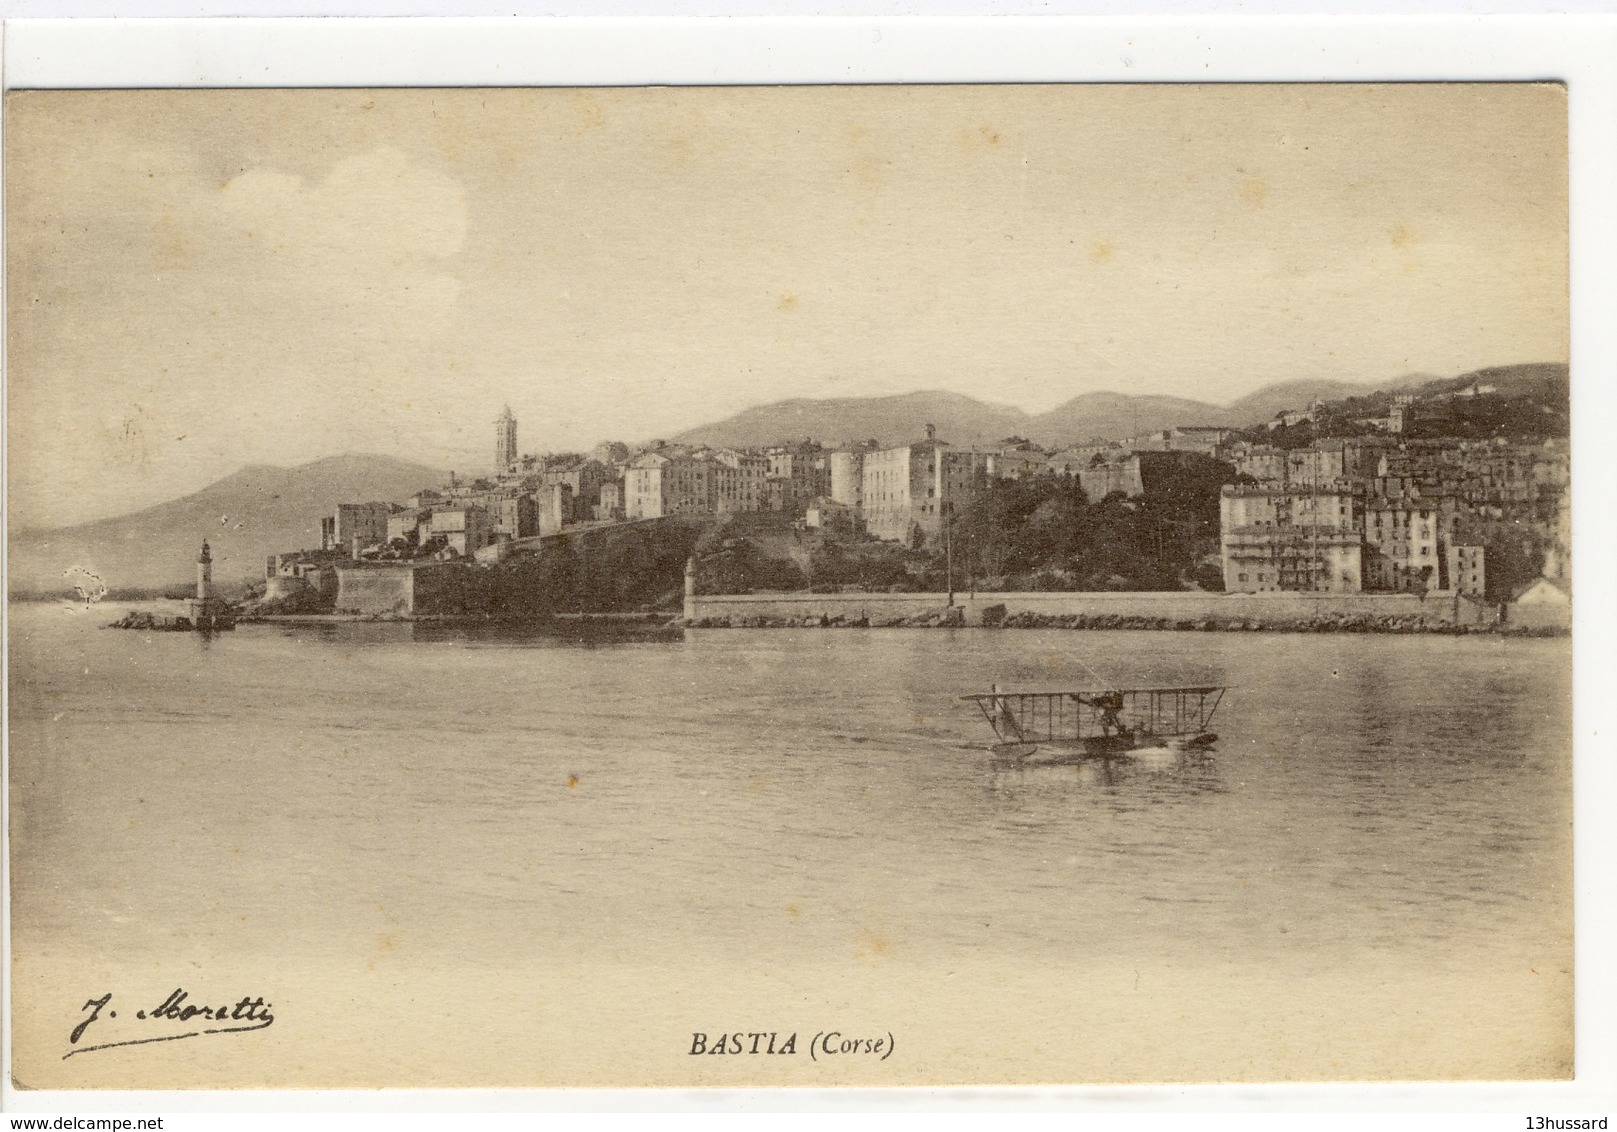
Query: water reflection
point(1161, 773)
point(1372, 794)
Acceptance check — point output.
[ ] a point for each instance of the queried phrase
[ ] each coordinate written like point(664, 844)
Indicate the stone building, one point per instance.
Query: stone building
point(409, 526)
point(1290, 539)
point(739, 480)
point(848, 476)
point(553, 507)
point(1401, 541)
point(1121, 473)
point(611, 501)
point(515, 516)
point(1205, 439)
point(826, 514)
point(717, 481)
point(912, 490)
point(798, 475)
point(583, 477)
point(667, 483)
point(1467, 570)
point(355, 525)
point(1267, 465)
point(903, 490)
point(1016, 462)
point(465, 530)
point(1072, 461)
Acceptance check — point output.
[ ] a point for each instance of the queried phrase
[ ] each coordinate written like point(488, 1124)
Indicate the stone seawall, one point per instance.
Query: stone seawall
point(423, 589)
point(375, 590)
point(280, 587)
point(1266, 610)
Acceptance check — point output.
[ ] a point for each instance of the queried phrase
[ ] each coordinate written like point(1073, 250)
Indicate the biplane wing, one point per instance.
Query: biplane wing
point(1073, 715)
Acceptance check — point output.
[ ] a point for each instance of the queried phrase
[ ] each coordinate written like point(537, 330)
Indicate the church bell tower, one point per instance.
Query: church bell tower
point(505, 442)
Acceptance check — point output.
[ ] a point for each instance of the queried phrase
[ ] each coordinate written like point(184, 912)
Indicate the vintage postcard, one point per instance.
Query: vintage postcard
point(789, 586)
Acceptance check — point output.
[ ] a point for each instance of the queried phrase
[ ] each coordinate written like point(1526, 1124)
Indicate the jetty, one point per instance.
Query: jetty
point(204, 613)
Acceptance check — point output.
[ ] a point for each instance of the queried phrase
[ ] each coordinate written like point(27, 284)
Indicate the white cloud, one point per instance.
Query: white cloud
point(199, 324)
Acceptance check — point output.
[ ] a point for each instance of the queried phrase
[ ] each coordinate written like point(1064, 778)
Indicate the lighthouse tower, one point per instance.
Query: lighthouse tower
point(207, 611)
point(204, 575)
point(505, 442)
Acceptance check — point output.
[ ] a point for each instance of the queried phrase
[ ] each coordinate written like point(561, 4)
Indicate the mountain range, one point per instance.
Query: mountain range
point(247, 515)
point(965, 420)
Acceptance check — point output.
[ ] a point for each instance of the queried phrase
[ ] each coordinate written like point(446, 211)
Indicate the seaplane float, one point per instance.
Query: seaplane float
point(1098, 722)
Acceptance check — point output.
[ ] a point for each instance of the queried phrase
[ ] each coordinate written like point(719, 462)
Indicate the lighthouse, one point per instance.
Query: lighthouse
point(207, 612)
point(204, 575)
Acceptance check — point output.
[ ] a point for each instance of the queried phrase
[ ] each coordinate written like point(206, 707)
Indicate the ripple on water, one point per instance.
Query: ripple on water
point(1367, 793)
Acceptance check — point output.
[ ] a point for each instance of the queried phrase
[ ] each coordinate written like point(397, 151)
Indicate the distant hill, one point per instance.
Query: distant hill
point(257, 511)
point(1533, 379)
point(1263, 405)
point(964, 420)
point(1115, 416)
point(890, 420)
point(1526, 402)
point(1411, 381)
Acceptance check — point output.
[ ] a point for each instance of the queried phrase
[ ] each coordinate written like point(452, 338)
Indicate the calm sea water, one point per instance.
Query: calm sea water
point(1369, 796)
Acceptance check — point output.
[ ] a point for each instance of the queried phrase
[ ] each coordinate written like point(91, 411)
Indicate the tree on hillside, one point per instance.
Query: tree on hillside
point(1045, 533)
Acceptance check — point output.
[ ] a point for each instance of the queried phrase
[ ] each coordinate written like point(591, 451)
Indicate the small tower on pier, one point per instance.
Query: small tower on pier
point(205, 574)
point(207, 611)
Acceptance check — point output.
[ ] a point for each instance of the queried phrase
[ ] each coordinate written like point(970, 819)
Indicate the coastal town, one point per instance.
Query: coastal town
point(1458, 491)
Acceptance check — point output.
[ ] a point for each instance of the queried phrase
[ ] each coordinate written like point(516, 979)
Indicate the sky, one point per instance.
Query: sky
point(202, 280)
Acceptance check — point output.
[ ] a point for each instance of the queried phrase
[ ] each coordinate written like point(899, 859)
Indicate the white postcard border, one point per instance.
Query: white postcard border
point(1577, 50)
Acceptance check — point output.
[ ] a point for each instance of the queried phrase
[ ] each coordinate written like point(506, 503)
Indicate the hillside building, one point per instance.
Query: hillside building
point(553, 508)
point(667, 483)
point(515, 516)
point(583, 477)
point(847, 468)
point(465, 530)
point(611, 502)
point(1467, 571)
point(903, 489)
point(717, 481)
point(1121, 473)
point(355, 526)
point(408, 526)
point(798, 475)
point(826, 514)
point(1290, 538)
point(1143, 473)
point(911, 491)
point(1017, 462)
point(1401, 539)
point(1205, 439)
point(1070, 462)
point(739, 480)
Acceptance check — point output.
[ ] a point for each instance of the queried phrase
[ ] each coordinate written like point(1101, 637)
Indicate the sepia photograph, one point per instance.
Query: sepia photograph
point(1005, 584)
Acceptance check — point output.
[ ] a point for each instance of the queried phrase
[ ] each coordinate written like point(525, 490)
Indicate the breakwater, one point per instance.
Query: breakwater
point(1291, 612)
point(206, 622)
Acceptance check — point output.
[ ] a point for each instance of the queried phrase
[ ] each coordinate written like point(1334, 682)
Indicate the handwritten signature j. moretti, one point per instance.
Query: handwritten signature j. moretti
point(174, 1019)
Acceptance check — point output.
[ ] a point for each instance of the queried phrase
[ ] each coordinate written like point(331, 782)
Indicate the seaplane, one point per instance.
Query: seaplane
point(1099, 722)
